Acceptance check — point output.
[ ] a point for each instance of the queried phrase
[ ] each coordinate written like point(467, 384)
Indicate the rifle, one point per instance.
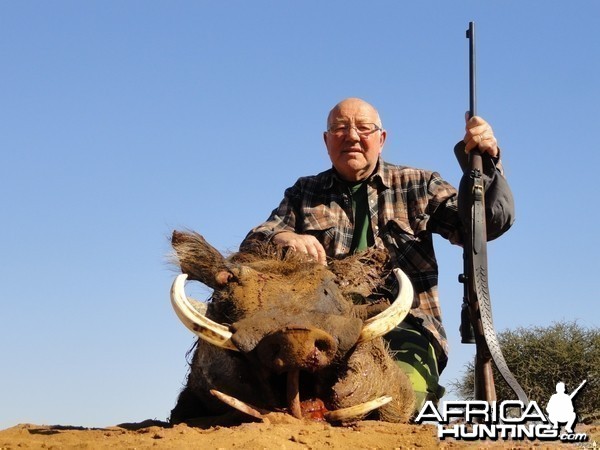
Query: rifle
point(476, 315)
point(574, 393)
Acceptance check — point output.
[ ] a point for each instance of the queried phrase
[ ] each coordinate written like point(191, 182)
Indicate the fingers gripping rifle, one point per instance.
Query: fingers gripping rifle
point(476, 317)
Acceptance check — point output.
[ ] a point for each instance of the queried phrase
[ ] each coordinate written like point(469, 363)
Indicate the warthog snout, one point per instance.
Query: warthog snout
point(301, 348)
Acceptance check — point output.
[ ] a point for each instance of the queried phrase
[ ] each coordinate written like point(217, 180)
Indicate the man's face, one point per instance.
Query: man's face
point(354, 156)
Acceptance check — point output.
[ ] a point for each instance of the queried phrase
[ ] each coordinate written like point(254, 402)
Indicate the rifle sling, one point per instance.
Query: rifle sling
point(479, 272)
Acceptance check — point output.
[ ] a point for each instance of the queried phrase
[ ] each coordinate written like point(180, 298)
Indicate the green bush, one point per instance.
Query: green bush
point(541, 357)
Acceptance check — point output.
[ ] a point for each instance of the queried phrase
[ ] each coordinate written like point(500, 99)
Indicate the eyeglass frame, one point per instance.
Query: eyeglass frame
point(347, 127)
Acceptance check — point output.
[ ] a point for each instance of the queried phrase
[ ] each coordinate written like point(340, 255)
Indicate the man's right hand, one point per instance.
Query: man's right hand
point(303, 243)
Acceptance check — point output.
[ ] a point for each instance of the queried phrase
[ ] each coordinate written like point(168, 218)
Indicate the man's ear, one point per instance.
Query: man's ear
point(382, 139)
point(325, 135)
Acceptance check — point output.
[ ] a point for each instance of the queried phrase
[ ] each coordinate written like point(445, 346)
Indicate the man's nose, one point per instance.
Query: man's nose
point(352, 133)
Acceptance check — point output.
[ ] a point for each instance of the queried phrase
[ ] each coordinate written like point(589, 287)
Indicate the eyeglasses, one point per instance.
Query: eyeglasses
point(362, 129)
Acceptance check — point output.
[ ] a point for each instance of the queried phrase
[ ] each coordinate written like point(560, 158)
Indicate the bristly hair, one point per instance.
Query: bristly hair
point(361, 274)
point(358, 275)
point(264, 254)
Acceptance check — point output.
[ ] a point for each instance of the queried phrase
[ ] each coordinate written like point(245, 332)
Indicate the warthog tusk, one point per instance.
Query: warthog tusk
point(341, 415)
point(237, 404)
point(293, 393)
point(195, 321)
point(356, 411)
point(383, 322)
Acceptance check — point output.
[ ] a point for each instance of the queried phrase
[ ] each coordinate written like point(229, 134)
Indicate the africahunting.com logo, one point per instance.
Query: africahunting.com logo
point(511, 419)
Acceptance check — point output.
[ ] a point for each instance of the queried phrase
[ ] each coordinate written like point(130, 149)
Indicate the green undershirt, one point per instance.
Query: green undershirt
point(363, 233)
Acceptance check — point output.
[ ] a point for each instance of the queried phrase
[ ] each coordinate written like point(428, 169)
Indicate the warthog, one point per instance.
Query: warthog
point(282, 333)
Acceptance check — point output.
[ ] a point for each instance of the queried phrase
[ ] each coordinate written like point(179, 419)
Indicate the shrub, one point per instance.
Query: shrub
point(540, 357)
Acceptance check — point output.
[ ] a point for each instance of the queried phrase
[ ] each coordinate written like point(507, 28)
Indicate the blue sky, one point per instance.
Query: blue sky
point(121, 121)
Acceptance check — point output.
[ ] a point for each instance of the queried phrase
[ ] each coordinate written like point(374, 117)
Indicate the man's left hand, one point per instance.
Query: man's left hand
point(479, 134)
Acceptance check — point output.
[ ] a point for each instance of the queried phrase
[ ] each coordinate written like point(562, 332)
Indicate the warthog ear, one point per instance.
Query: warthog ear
point(200, 260)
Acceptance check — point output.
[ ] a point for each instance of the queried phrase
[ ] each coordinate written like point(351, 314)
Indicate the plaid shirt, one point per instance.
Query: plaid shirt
point(406, 206)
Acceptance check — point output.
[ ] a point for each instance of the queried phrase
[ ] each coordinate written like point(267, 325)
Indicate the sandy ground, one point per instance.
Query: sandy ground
point(276, 432)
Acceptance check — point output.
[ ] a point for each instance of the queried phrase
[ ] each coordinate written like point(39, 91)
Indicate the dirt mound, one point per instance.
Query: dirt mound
point(277, 432)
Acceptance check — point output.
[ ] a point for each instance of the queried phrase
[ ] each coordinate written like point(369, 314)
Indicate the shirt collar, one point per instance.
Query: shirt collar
point(380, 175)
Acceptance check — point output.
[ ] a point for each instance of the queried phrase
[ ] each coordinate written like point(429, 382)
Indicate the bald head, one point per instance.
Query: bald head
point(354, 104)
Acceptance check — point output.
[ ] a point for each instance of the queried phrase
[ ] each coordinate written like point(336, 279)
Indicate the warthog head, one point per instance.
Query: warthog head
point(282, 330)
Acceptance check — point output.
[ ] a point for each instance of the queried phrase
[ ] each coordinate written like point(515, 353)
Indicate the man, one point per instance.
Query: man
point(560, 407)
point(363, 201)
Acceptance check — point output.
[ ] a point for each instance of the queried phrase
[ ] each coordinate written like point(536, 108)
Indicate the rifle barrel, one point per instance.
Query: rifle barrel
point(574, 393)
point(472, 71)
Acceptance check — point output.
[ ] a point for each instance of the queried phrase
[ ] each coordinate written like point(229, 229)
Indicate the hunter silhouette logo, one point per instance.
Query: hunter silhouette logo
point(560, 407)
point(509, 419)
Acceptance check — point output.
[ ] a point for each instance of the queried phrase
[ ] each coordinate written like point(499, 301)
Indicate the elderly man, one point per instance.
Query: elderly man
point(363, 201)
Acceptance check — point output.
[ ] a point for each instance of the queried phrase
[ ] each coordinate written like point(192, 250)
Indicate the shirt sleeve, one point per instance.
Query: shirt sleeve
point(442, 209)
point(282, 218)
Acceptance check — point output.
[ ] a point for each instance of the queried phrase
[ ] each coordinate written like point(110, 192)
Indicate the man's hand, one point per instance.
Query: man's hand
point(303, 243)
point(480, 135)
